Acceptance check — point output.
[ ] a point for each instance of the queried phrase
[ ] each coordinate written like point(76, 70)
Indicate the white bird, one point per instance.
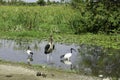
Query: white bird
point(29, 52)
point(67, 55)
point(30, 55)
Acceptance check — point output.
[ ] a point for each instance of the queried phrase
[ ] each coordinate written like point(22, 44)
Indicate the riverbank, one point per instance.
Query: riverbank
point(107, 41)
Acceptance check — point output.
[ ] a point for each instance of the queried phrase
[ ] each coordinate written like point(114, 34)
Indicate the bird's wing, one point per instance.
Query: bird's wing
point(67, 55)
point(62, 56)
point(46, 48)
point(53, 46)
point(28, 51)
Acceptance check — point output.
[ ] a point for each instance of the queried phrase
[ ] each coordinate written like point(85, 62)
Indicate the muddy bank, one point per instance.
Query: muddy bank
point(10, 72)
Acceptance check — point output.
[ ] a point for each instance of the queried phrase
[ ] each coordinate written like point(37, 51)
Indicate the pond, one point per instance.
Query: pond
point(87, 59)
point(15, 50)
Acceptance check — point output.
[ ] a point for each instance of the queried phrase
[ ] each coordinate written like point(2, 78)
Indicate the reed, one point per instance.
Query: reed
point(39, 21)
point(41, 18)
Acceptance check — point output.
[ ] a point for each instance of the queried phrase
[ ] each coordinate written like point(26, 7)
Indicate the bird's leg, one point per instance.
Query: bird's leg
point(71, 67)
point(48, 57)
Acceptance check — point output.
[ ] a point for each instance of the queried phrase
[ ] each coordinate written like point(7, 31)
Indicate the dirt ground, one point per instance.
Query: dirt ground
point(10, 72)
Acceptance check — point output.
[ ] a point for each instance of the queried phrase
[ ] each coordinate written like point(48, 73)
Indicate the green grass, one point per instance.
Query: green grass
point(38, 22)
point(40, 18)
point(107, 41)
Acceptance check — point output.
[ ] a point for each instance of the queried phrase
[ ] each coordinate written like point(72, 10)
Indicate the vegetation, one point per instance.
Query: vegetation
point(93, 23)
point(41, 2)
point(29, 22)
point(102, 16)
point(54, 18)
point(78, 22)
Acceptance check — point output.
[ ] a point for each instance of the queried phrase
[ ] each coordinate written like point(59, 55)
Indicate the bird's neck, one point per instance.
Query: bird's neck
point(51, 44)
point(71, 50)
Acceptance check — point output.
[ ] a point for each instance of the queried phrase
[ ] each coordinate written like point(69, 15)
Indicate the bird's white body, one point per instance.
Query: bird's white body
point(67, 55)
point(29, 52)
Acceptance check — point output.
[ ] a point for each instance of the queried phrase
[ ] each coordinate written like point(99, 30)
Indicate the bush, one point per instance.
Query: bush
point(95, 17)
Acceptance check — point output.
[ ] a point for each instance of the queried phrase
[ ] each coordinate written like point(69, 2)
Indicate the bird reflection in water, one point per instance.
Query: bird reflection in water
point(67, 62)
point(30, 59)
point(65, 58)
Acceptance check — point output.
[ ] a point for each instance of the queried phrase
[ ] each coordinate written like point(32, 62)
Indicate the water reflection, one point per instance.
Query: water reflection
point(67, 62)
point(15, 50)
point(97, 60)
point(29, 59)
point(88, 59)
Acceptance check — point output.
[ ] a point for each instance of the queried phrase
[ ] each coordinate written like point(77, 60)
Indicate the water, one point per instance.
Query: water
point(88, 59)
point(97, 60)
point(15, 51)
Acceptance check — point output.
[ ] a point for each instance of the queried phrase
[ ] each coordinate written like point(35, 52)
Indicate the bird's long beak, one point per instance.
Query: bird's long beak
point(73, 49)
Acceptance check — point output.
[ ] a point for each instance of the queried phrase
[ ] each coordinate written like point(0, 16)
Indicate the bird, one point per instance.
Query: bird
point(29, 52)
point(49, 47)
point(67, 55)
point(30, 55)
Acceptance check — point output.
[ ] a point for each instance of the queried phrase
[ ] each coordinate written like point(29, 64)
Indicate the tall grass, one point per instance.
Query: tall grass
point(41, 18)
point(40, 21)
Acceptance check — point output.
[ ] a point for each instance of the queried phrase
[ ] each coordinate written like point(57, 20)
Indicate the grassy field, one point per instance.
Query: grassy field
point(40, 18)
point(38, 22)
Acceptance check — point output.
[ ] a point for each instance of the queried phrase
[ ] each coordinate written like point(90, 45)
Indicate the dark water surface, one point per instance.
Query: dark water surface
point(88, 59)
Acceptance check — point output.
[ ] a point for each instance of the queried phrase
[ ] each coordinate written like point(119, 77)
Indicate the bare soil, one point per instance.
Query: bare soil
point(11, 72)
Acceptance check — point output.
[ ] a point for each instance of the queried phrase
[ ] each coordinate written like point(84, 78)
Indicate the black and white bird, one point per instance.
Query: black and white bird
point(67, 55)
point(29, 52)
point(30, 55)
point(49, 47)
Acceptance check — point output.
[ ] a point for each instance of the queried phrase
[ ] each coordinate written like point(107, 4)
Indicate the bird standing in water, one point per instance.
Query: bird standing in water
point(67, 55)
point(49, 47)
point(30, 55)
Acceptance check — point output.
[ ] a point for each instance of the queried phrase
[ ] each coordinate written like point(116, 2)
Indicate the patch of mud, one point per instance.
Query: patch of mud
point(9, 72)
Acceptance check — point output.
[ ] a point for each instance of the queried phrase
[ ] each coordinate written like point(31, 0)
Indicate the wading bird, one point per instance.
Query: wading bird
point(29, 52)
point(30, 55)
point(67, 55)
point(49, 47)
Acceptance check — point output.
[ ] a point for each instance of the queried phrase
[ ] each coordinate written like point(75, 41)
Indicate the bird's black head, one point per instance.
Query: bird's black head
point(28, 47)
point(72, 49)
